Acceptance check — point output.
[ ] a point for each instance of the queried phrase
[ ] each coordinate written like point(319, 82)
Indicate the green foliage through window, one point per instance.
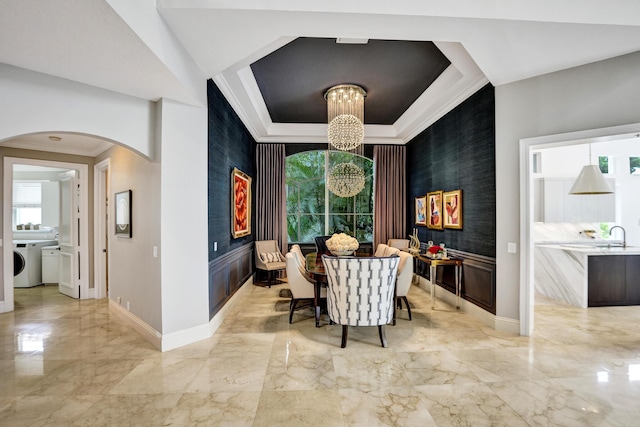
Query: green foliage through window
point(313, 211)
point(603, 162)
point(634, 165)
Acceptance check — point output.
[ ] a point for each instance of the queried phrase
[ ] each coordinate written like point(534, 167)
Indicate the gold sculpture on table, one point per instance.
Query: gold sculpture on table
point(414, 245)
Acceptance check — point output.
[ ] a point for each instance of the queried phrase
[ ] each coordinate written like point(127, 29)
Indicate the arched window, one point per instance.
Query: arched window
point(312, 210)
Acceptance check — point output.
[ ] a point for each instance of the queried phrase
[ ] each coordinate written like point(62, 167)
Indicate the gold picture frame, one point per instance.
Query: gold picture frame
point(434, 210)
point(453, 209)
point(240, 203)
point(421, 210)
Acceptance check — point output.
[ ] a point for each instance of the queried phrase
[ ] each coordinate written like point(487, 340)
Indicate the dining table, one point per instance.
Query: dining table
point(315, 270)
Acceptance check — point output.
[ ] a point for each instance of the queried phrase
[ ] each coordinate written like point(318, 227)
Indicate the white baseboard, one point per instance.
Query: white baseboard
point(185, 336)
point(141, 327)
point(503, 324)
point(506, 324)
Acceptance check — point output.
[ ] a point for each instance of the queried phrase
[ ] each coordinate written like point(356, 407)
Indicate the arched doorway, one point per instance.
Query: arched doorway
point(19, 153)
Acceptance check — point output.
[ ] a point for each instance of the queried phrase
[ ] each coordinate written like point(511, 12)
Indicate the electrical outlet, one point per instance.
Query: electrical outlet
point(119, 300)
point(511, 248)
point(155, 252)
point(128, 306)
point(215, 246)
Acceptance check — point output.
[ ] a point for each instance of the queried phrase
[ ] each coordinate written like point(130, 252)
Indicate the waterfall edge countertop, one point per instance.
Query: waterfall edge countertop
point(575, 273)
point(594, 249)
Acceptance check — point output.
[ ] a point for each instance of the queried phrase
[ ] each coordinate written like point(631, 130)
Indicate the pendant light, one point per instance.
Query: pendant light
point(345, 114)
point(591, 180)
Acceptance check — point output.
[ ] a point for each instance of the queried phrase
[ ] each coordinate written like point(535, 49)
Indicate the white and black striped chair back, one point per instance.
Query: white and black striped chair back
point(360, 290)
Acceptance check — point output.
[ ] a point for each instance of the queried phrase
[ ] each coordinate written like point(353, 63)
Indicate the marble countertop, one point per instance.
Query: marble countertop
point(595, 249)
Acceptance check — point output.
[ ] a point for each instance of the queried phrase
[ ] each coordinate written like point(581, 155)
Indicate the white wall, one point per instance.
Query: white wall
point(173, 194)
point(134, 274)
point(185, 280)
point(598, 95)
point(33, 102)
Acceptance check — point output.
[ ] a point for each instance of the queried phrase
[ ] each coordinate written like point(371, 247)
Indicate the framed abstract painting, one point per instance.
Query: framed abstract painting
point(123, 214)
point(421, 210)
point(240, 203)
point(434, 210)
point(453, 209)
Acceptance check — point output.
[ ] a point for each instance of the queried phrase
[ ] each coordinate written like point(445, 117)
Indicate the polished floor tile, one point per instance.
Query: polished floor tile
point(67, 362)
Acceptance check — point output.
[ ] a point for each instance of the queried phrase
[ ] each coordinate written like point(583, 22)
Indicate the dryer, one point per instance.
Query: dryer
point(30, 252)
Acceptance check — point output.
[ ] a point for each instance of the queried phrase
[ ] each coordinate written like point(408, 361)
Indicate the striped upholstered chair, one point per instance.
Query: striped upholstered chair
point(361, 292)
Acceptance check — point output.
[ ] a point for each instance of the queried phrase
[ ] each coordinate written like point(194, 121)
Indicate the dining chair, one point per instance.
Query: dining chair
point(321, 244)
point(269, 258)
point(385, 250)
point(295, 248)
point(398, 243)
point(360, 292)
point(403, 282)
point(380, 249)
point(301, 287)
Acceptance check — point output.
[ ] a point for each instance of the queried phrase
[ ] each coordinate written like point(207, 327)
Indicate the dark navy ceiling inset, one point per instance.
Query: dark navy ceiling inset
point(294, 78)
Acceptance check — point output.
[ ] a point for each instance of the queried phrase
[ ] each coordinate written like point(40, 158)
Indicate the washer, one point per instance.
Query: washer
point(31, 252)
point(18, 263)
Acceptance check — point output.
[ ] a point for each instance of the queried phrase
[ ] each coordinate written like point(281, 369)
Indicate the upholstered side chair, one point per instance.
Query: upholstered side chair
point(299, 255)
point(301, 286)
point(360, 292)
point(268, 258)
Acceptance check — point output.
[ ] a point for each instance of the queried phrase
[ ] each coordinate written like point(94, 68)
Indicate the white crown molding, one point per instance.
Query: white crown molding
point(459, 81)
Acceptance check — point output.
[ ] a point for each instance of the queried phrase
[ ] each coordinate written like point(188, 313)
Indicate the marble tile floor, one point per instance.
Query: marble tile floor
point(67, 362)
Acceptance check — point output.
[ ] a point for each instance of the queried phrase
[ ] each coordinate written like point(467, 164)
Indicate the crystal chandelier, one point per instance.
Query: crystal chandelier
point(345, 108)
point(345, 180)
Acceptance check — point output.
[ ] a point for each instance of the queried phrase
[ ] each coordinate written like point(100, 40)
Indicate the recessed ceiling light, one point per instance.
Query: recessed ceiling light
point(55, 138)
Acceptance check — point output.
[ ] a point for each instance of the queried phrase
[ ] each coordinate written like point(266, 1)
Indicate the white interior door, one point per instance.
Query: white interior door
point(69, 271)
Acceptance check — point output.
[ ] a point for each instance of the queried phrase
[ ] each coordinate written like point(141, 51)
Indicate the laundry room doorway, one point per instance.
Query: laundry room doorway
point(77, 218)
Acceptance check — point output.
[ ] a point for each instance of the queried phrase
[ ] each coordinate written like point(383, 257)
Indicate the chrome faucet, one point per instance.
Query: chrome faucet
point(624, 234)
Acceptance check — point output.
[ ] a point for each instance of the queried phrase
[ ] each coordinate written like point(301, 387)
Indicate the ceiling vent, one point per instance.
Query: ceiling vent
point(351, 40)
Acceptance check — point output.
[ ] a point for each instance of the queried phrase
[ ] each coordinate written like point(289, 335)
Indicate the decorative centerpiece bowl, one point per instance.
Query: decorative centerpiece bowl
point(342, 244)
point(341, 253)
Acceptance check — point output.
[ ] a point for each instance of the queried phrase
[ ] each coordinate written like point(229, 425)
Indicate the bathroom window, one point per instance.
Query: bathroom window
point(634, 165)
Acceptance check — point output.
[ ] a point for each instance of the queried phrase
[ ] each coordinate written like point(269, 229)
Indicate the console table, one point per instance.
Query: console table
point(433, 264)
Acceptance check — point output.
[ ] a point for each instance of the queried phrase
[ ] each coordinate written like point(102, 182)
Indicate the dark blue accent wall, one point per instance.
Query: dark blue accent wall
point(230, 145)
point(458, 152)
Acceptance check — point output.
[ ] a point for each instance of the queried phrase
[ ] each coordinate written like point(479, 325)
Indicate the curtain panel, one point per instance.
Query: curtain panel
point(271, 198)
point(390, 193)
